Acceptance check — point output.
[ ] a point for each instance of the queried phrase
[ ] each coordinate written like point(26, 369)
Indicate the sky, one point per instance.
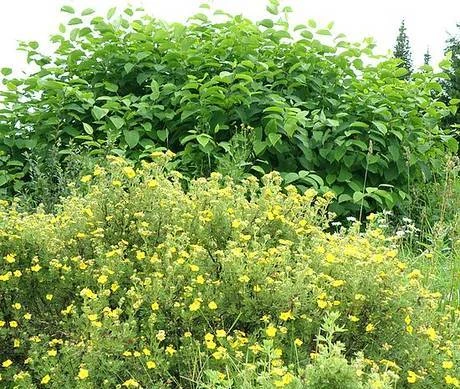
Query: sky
point(428, 22)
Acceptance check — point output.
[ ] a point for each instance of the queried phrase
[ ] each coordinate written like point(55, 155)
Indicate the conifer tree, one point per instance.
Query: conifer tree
point(402, 48)
point(453, 46)
point(452, 84)
point(427, 57)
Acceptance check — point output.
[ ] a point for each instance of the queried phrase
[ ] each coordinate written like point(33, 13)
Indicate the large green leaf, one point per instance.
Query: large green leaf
point(87, 11)
point(74, 21)
point(267, 23)
point(117, 121)
point(290, 127)
point(274, 138)
point(203, 139)
point(6, 71)
point(131, 137)
point(99, 112)
point(381, 127)
point(88, 129)
point(155, 90)
point(68, 9)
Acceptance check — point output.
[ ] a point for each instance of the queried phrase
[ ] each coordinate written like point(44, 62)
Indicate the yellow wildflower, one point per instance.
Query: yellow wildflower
point(452, 381)
point(114, 287)
point(102, 279)
point(140, 255)
point(35, 268)
point(411, 377)
point(370, 327)
point(83, 373)
point(152, 184)
point(161, 335)
point(244, 279)
point(10, 258)
point(92, 317)
point(88, 212)
point(330, 258)
point(170, 350)
point(200, 280)
point(337, 283)
point(45, 379)
point(131, 383)
point(431, 333)
point(129, 172)
point(271, 331)
point(208, 337)
point(194, 268)
point(321, 303)
point(212, 305)
point(86, 178)
point(195, 306)
point(236, 223)
point(285, 316)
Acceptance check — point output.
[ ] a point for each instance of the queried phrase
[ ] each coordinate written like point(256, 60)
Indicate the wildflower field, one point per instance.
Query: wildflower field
point(147, 239)
point(138, 283)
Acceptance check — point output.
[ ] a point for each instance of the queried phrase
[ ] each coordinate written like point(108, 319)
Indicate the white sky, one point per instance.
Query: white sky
point(427, 21)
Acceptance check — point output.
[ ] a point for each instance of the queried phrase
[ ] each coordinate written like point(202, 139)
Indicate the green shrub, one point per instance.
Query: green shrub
point(137, 282)
point(331, 370)
point(319, 113)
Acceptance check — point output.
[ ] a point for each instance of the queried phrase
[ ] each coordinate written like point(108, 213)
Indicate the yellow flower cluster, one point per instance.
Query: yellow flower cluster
point(146, 281)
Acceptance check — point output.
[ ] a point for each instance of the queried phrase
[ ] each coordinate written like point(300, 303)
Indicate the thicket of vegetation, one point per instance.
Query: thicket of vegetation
point(147, 239)
point(228, 95)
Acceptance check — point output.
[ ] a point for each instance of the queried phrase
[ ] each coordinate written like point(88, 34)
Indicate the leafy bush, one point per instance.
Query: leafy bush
point(317, 111)
point(138, 283)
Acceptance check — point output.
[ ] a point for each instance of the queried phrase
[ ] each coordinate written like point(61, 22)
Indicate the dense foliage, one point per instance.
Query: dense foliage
point(225, 94)
point(139, 284)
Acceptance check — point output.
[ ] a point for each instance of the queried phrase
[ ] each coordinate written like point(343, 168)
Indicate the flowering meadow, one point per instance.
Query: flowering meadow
point(143, 279)
point(226, 204)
